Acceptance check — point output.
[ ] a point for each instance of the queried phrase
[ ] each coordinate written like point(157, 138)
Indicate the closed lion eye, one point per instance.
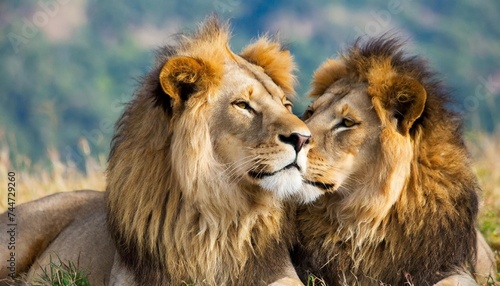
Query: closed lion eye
point(308, 113)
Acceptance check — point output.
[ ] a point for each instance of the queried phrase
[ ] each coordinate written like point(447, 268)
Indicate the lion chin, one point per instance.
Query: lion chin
point(284, 183)
point(201, 163)
point(401, 200)
point(287, 183)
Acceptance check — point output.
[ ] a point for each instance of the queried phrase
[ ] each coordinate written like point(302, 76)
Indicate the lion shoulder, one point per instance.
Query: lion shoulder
point(40, 222)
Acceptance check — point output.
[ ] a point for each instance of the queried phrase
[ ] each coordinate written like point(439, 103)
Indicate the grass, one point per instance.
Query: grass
point(485, 151)
point(35, 181)
point(57, 273)
point(61, 273)
point(315, 281)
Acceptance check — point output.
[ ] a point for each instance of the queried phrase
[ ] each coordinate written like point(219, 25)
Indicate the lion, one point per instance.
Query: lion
point(59, 227)
point(401, 200)
point(202, 165)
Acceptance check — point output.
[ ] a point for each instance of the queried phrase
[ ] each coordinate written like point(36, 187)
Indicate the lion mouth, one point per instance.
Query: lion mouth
point(261, 175)
point(320, 185)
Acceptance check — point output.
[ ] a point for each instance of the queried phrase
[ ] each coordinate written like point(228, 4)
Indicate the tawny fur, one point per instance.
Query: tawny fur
point(174, 214)
point(275, 61)
point(409, 214)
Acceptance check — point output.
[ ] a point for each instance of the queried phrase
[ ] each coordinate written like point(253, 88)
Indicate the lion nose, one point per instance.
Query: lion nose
point(295, 139)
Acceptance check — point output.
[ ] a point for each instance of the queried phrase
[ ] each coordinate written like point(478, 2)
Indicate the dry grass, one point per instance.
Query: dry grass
point(485, 150)
point(37, 181)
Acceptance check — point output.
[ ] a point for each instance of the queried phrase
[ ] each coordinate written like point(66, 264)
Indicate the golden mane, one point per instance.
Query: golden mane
point(417, 209)
point(275, 61)
point(164, 186)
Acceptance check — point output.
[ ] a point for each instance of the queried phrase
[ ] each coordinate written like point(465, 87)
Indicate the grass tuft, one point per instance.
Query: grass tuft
point(312, 280)
point(60, 273)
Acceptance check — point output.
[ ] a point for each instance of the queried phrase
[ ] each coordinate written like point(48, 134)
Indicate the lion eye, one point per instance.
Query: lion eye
point(242, 105)
point(346, 122)
point(308, 113)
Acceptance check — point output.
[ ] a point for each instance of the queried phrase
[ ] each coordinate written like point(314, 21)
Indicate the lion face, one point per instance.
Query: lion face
point(346, 131)
point(255, 135)
point(251, 138)
point(361, 125)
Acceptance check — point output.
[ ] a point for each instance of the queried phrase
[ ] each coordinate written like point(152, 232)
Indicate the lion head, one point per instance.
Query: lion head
point(202, 158)
point(400, 197)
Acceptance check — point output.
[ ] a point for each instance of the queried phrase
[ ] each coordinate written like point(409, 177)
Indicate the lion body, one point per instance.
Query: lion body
point(68, 225)
point(85, 241)
point(401, 199)
point(202, 162)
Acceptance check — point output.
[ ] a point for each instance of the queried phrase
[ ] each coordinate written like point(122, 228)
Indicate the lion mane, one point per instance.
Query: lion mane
point(411, 216)
point(173, 216)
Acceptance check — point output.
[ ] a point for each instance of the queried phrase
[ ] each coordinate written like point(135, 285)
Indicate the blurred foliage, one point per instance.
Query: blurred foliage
point(64, 79)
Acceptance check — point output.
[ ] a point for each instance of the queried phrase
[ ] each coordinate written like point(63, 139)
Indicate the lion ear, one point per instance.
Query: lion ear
point(408, 102)
point(183, 76)
point(276, 61)
point(327, 74)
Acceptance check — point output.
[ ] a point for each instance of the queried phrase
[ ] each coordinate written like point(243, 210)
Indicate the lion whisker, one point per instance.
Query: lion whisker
point(237, 179)
point(236, 164)
point(230, 172)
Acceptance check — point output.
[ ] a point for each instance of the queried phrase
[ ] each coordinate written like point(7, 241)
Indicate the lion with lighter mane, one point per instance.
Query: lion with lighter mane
point(201, 164)
point(221, 149)
point(401, 200)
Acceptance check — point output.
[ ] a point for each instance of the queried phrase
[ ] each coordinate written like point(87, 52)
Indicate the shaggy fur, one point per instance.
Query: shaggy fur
point(402, 200)
point(175, 210)
point(275, 60)
point(202, 161)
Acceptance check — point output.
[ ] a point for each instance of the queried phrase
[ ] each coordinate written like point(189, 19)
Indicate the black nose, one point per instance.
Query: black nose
point(296, 140)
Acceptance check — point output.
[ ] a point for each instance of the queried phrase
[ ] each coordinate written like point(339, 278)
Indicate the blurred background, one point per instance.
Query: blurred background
point(67, 66)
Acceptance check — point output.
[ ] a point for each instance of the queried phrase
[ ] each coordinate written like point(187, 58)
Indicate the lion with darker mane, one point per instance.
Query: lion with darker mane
point(202, 162)
point(401, 200)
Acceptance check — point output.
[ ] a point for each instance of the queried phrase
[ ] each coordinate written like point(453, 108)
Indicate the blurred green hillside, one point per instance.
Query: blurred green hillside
point(67, 66)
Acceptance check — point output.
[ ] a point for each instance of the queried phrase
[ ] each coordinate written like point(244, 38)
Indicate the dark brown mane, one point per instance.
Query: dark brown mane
point(438, 173)
point(440, 107)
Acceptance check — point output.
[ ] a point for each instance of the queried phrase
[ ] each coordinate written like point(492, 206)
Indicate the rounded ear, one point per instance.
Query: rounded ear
point(182, 76)
point(327, 74)
point(408, 102)
point(276, 61)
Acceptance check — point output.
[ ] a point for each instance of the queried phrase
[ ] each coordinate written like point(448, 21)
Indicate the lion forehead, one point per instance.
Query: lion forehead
point(241, 76)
